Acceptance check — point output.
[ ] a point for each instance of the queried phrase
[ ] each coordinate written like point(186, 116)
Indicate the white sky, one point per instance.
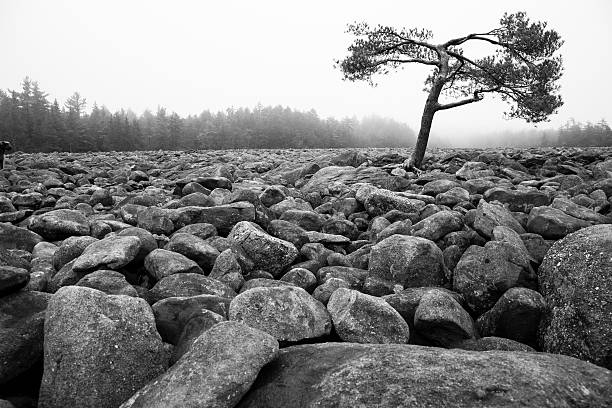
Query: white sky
point(194, 55)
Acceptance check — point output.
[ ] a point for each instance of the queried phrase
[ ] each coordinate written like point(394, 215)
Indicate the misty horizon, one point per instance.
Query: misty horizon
point(276, 54)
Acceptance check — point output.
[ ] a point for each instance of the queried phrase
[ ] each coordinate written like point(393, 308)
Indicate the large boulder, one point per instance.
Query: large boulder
point(395, 375)
point(381, 201)
point(438, 225)
point(99, 349)
point(108, 253)
point(288, 313)
point(59, 224)
point(350, 175)
point(194, 248)
point(362, 318)
point(70, 249)
point(267, 252)
point(222, 217)
point(408, 261)
point(517, 200)
point(552, 223)
point(441, 320)
point(576, 281)
point(161, 263)
point(484, 274)
point(217, 371)
point(490, 215)
point(12, 237)
point(515, 316)
point(22, 316)
point(188, 284)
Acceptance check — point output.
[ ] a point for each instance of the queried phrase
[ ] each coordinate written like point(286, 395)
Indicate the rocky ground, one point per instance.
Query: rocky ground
point(302, 278)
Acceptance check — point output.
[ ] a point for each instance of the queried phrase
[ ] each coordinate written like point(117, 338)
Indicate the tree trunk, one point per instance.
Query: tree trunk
point(431, 107)
point(421, 143)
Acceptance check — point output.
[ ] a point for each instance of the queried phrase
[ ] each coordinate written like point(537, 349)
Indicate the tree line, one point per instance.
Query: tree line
point(32, 123)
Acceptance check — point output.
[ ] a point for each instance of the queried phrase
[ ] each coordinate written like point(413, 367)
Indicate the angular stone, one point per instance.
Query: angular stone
point(173, 313)
point(200, 321)
point(217, 371)
point(484, 274)
point(408, 261)
point(515, 316)
point(287, 313)
point(108, 253)
point(552, 223)
point(438, 225)
point(267, 252)
point(109, 282)
point(59, 224)
point(381, 201)
point(361, 318)
point(489, 216)
point(194, 248)
point(70, 249)
point(99, 349)
point(188, 284)
point(222, 217)
point(12, 237)
point(517, 200)
point(441, 320)
point(12, 279)
point(162, 263)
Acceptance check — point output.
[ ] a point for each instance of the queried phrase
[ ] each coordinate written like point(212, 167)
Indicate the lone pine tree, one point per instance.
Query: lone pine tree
point(522, 68)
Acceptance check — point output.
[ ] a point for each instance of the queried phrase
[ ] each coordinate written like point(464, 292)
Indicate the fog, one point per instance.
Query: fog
point(190, 56)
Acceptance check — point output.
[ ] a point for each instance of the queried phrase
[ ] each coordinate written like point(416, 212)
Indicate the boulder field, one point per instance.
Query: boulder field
point(306, 278)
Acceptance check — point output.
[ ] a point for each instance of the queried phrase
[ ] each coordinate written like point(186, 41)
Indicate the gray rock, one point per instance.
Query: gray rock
point(349, 175)
point(267, 252)
point(552, 223)
point(173, 313)
point(194, 248)
point(12, 279)
point(576, 283)
point(108, 253)
point(362, 318)
point(155, 220)
point(484, 274)
point(222, 217)
point(287, 313)
point(188, 284)
point(408, 261)
point(288, 231)
point(99, 349)
point(400, 375)
point(493, 343)
point(200, 321)
point(70, 249)
point(438, 225)
point(308, 220)
point(12, 237)
point(22, 317)
point(380, 201)
point(201, 229)
point(147, 241)
point(474, 170)
point(218, 370)
point(323, 292)
point(162, 263)
point(515, 316)
point(301, 277)
point(490, 215)
point(517, 200)
point(441, 320)
point(109, 282)
point(59, 224)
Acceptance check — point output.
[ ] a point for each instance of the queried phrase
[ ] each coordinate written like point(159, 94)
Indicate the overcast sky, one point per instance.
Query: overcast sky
point(194, 55)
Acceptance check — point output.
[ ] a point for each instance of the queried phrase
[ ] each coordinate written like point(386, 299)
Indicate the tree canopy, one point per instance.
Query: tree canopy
point(522, 68)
